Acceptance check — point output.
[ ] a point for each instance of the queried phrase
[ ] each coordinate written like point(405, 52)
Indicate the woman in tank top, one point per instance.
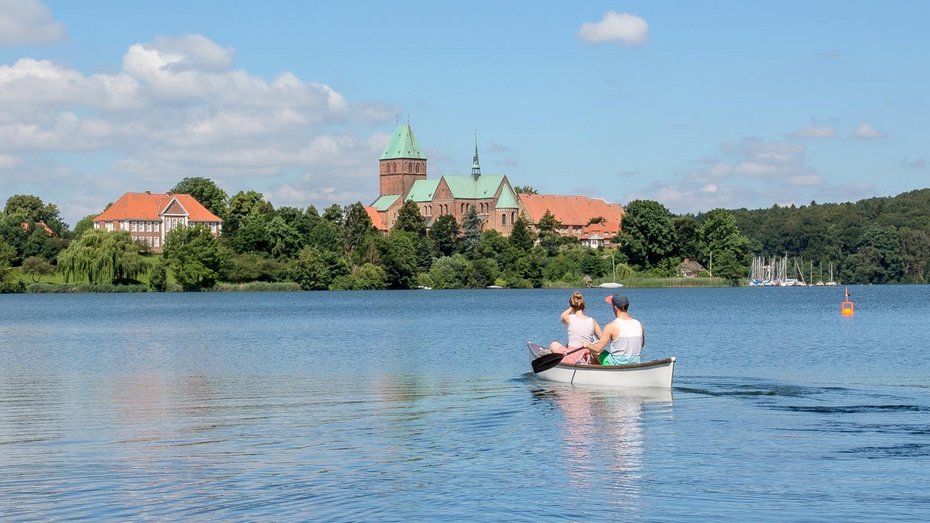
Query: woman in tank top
point(582, 330)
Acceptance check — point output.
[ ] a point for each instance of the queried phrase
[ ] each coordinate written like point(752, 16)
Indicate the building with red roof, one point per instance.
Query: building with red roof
point(148, 217)
point(576, 214)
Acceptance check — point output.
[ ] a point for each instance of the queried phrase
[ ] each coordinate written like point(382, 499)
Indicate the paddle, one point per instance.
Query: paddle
point(547, 361)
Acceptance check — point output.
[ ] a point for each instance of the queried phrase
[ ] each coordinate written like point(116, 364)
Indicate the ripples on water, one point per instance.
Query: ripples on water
point(247, 411)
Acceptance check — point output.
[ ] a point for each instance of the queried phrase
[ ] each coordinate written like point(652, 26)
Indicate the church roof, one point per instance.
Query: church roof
point(377, 220)
point(403, 145)
point(506, 201)
point(573, 211)
point(423, 190)
point(383, 202)
point(468, 188)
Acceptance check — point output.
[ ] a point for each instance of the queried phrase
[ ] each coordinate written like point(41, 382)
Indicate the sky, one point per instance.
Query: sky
point(697, 105)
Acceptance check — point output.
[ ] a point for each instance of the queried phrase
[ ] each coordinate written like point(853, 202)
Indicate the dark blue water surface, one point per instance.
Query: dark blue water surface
point(419, 406)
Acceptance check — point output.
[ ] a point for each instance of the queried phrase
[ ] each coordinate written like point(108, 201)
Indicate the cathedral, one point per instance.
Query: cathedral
point(403, 176)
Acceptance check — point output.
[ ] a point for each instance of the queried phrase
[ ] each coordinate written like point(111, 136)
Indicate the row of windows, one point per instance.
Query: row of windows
point(134, 226)
point(412, 167)
point(427, 210)
point(149, 240)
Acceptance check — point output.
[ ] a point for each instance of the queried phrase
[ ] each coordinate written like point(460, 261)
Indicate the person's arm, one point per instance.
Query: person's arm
point(598, 346)
point(597, 330)
point(644, 334)
point(565, 314)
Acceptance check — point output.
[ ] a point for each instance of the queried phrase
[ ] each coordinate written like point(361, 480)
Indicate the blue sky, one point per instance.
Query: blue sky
point(697, 105)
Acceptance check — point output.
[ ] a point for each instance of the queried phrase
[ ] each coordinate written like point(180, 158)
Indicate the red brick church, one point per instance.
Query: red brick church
point(403, 176)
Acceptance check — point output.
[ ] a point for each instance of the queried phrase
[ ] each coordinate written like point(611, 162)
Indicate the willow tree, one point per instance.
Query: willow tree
point(99, 256)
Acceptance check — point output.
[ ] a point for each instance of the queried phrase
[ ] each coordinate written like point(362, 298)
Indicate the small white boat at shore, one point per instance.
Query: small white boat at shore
point(656, 373)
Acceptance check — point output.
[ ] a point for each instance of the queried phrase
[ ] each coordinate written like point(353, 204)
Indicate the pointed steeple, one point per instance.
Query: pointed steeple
point(475, 166)
point(403, 145)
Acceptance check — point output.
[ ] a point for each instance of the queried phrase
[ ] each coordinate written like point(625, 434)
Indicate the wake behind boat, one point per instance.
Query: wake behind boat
point(656, 373)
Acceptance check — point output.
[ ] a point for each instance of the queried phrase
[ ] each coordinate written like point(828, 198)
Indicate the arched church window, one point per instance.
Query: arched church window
point(503, 218)
point(393, 167)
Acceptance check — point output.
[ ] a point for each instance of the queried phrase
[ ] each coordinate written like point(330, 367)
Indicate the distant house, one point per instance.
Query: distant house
point(690, 268)
point(39, 225)
point(575, 214)
point(149, 217)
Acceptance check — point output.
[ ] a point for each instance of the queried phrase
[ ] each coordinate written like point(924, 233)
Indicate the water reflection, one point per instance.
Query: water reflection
point(603, 430)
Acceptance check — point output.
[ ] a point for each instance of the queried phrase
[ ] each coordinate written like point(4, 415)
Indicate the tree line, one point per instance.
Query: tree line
point(877, 240)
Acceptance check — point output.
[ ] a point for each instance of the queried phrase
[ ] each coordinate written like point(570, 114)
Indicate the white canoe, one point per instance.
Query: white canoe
point(656, 373)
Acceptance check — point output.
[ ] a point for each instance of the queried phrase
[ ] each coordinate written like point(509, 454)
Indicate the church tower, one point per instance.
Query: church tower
point(402, 163)
point(475, 166)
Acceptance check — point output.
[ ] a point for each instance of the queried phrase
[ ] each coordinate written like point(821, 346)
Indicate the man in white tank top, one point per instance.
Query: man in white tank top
point(623, 338)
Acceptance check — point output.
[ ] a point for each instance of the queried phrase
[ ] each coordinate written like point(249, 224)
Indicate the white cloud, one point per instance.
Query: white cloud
point(26, 22)
point(750, 172)
point(8, 161)
point(915, 163)
point(178, 107)
point(813, 132)
point(866, 132)
point(627, 28)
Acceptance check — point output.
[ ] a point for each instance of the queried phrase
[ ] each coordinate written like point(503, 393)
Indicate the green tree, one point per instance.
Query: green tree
point(299, 220)
point(84, 224)
point(29, 208)
point(524, 189)
point(915, 253)
point(367, 277)
point(880, 247)
point(193, 255)
point(241, 205)
point(521, 237)
point(409, 219)
point(471, 232)
point(486, 271)
point(12, 233)
point(8, 280)
point(333, 214)
point(325, 236)
point(452, 272)
point(357, 230)
point(311, 271)
point(36, 267)
point(445, 233)
point(648, 235)
point(158, 277)
point(549, 236)
point(283, 240)
point(399, 258)
point(718, 236)
point(252, 233)
point(686, 228)
point(99, 256)
point(205, 191)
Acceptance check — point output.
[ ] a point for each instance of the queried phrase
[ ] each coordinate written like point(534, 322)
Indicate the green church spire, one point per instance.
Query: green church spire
point(475, 166)
point(403, 145)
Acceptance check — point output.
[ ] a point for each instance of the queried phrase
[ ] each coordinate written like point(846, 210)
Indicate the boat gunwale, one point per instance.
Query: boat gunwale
point(628, 366)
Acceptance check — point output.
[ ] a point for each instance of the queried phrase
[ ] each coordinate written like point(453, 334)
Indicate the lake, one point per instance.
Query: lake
point(399, 406)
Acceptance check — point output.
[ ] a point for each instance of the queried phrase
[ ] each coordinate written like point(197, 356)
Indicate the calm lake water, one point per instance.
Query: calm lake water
point(399, 406)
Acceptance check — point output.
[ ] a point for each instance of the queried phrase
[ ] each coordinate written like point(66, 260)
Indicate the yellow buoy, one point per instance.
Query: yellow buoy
point(847, 308)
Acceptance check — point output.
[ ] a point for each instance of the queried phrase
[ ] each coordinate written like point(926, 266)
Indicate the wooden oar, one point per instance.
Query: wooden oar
point(547, 361)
